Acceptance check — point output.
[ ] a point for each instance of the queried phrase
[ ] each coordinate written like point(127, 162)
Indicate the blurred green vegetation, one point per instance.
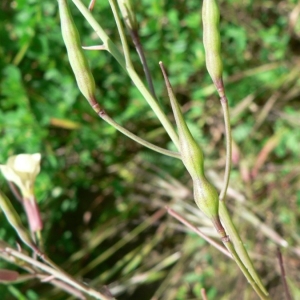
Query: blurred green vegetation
point(97, 187)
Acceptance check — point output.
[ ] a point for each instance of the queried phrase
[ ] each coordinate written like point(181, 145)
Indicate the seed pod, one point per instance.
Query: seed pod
point(212, 41)
point(205, 195)
point(78, 62)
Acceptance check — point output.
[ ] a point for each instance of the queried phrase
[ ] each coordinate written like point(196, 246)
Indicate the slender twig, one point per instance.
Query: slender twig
point(112, 48)
point(197, 231)
point(283, 275)
point(91, 5)
point(95, 47)
point(140, 50)
point(59, 284)
point(122, 34)
point(139, 140)
point(57, 274)
point(239, 245)
point(130, 21)
point(34, 274)
point(229, 245)
point(225, 108)
point(225, 217)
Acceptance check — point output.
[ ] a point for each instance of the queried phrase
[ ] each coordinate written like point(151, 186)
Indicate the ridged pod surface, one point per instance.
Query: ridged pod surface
point(78, 61)
point(212, 40)
point(205, 194)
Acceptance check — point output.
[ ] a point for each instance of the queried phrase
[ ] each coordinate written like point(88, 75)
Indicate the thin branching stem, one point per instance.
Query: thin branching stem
point(139, 140)
point(122, 34)
point(225, 108)
point(229, 245)
point(197, 231)
point(56, 273)
point(225, 217)
point(283, 276)
point(140, 50)
point(239, 245)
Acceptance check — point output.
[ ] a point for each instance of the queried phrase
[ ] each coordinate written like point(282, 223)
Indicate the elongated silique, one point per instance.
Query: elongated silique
point(212, 40)
point(205, 194)
point(78, 61)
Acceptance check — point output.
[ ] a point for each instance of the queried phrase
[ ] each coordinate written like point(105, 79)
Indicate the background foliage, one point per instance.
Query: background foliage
point(98, 190)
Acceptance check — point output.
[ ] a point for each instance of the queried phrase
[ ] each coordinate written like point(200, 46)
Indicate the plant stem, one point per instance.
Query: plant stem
point(132, 26)
point(238, 244)
point(225, 108)
point(197, 231)
point(57, 273)
point(140, 50)
point(238, 261)
point(111, 47)
point(121, 31)
point(283, 276)
point(139, 140)
point(225, 217)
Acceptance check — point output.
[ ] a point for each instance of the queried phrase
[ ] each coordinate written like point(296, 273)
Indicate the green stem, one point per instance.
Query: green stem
point(121, 31)
point(246, 273)
point(225, 108)
point(238, 244)
point(139, 140)
point(111, 47)
point(197, 231)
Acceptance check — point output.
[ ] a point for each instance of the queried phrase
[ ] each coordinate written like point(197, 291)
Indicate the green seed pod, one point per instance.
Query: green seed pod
point(205, 195)
point(212, 41)
point(78, 61)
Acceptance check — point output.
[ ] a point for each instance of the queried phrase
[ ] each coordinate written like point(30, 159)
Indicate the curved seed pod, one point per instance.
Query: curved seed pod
point(212, 41)
point(78, 62)
point(207, 199)
point(205, 194)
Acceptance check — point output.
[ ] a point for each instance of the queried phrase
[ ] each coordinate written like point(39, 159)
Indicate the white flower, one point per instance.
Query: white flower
point(22, 169)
